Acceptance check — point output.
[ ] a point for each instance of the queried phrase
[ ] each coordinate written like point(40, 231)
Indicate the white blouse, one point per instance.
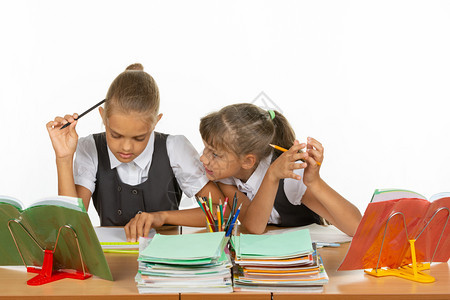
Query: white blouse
point(294, 189)
point(183, 157)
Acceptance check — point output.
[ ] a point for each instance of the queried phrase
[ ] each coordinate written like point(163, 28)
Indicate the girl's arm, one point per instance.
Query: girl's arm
point(141, 224)
point(329, 204)
point(319, 197)
point(66, 183)
point(322, 199)
point(64, 143)
point(255, 214)
point(211, 189)
point(85, 194)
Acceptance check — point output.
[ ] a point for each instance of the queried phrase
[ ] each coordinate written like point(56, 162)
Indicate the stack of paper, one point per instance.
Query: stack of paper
point(191, 263)
point(322, 235)
point(279, 262)
point(113, 239)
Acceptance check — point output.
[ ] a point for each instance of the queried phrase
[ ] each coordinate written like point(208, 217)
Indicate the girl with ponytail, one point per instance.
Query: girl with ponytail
point(274, 187)
point(135, 175)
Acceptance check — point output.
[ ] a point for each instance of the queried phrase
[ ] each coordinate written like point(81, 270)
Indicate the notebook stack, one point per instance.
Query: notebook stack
point(276, 263)
point(114, 240)
point(191, 263)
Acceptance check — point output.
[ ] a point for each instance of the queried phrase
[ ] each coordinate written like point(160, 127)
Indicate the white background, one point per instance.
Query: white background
point(369, 79)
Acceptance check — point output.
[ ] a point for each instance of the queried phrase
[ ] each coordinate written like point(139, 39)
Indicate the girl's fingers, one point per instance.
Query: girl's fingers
point(69, 118)
point(147, 228)
point(72, 127)
point(313, 162)
point(139, 226)
point(318, 156)
point(294, 176)
point(54, 124)
point(315, 150)
point(73, 116)
point(60, 120)
point(296, 148)
point(131, 229)
point(296, 166)
point(314, 143)
point(292, 167)
point(299, 156)
point(295, 152)
point(50, 125)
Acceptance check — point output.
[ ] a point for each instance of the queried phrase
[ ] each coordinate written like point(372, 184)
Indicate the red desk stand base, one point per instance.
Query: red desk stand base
point(47, 274)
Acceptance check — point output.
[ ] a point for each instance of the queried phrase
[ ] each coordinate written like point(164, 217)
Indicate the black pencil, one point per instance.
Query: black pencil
point(96, 105)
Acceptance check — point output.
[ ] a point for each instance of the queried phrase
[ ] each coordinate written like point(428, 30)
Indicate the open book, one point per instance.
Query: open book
point(25, 231)
point(426, 222)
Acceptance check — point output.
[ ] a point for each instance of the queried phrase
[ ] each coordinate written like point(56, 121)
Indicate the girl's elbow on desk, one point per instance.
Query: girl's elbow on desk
point(253, 228)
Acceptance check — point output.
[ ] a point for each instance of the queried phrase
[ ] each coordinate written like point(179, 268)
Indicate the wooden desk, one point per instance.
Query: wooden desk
point(357, 285)
point(123, 268)
point(342, 285)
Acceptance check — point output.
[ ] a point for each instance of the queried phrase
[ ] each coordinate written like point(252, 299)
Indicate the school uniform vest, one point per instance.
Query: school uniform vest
point(117, 202)
point(293, 215)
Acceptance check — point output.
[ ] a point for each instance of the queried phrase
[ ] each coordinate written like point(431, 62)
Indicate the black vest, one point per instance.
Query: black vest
point(293, 215)
point(117, 202)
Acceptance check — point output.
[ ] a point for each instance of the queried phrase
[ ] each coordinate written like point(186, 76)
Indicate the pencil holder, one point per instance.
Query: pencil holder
point(214, 227)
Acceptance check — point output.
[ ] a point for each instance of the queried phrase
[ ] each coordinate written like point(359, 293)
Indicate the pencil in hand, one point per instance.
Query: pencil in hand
point(284, 150)
point(278, 148)
point(96, 105)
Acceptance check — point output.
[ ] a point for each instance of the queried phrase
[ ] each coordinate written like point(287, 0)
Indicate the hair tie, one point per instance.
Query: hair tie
point(272, 114)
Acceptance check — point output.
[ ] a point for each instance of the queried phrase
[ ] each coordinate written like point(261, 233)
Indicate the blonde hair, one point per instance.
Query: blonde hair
point(133, 91)
point(245, 128)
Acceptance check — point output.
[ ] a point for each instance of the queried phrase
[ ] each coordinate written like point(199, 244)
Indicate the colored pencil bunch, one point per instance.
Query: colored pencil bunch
point(218, 222)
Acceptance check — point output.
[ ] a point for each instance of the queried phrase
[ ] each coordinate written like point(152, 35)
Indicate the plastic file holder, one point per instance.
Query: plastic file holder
point(414, 270)
point(46, 274)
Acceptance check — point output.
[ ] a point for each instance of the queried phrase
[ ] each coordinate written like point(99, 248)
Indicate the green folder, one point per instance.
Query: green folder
point(199, 248)
point(286, 244)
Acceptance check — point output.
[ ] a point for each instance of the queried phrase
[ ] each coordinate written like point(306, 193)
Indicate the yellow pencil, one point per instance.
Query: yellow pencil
point(209, 225)
point(284, 150)
point(219, 221)
point(278, 147)
point(201, 203)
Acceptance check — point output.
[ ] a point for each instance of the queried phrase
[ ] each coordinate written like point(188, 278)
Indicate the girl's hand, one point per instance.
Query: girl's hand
point(314, 149)
point(286, 163)
point(142, 223)
point(65, 140)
